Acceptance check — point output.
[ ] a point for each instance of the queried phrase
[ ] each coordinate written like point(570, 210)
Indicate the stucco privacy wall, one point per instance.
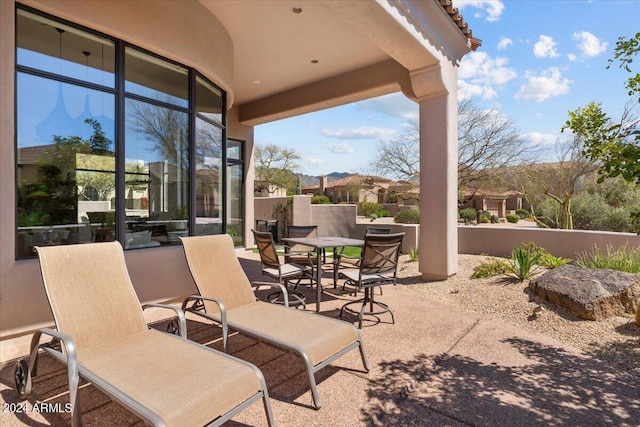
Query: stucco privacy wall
point(499, 241)
point(196, 39)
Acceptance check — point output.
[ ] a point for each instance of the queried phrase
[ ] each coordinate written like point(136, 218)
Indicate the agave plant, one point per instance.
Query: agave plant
point(414, 254)
point(524, 263)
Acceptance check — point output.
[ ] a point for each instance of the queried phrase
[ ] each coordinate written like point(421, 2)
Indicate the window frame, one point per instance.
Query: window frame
point(120, 95)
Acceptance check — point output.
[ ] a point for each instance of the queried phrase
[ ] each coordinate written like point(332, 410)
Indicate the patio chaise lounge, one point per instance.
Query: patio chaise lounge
point(226, 297)
point(102, 336)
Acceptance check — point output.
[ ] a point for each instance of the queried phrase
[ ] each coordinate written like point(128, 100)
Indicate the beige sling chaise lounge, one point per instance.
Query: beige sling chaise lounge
point(165, 379)
point(226, 297)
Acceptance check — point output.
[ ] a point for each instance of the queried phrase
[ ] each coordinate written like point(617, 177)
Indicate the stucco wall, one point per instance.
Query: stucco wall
point(499, 241)
point(334, 220)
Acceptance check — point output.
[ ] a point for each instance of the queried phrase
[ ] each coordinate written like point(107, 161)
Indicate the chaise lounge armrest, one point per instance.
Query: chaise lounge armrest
point(285, 293)
point(171, 328)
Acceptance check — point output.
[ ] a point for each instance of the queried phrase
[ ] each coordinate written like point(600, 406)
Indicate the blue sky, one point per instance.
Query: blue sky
point(539, 60)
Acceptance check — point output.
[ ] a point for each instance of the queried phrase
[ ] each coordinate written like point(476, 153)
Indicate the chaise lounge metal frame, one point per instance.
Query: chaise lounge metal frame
point(90, 272)
point(227, 298)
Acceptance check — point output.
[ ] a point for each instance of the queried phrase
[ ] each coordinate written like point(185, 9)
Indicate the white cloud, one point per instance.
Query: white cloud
point(492, 8)
point(362, 132)
point(467, 90)
point(589, 44)
point(538, 139)
point(572, 57)
point(479, 75)
point(547, 84)
point(342, 148)
point(394, 105)
point(545, 47)
point(313, 161)
point(504, 43)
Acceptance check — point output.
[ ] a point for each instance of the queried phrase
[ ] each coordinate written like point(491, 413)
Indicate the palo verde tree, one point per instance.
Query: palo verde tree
point(275, 167)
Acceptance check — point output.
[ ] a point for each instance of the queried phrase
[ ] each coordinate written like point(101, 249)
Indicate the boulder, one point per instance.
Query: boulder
point(589, 293)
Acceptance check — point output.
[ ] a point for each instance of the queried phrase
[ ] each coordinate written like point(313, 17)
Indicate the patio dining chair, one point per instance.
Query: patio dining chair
point(378, 266)
point(342, 261)
point(227, 298)
point(282, 272)
point(102, 337)
point(302, 254)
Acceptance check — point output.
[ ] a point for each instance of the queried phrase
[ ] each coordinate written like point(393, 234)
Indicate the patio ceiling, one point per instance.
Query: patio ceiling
point(329, 53)
point(275, 46)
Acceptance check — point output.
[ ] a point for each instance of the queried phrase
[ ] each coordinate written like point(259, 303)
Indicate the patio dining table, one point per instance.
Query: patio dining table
point(320, 243)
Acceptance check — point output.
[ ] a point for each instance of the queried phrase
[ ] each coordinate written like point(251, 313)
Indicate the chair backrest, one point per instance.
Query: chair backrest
point(377, 230)
point(90, 293)
point(302, 231)
point(380, 253)
point(267, 249)
point(216, 270)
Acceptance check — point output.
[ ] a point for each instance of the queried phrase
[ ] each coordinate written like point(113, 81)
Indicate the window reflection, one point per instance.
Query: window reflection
point(66, 165)
point(235, 205)
point(156, 175)
point(208, 100)
point(208, 178)
point(51, 46)
point(156, 79)
point(66, 93)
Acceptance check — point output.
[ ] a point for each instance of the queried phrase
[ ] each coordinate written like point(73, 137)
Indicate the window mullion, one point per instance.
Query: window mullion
point(120, 142)
point(192, 152)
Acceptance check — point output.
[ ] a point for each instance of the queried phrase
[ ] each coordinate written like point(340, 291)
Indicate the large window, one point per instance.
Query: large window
point(113, 142)
point(235, 193)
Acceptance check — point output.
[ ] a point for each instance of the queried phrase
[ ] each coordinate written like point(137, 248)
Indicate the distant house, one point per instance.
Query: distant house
point(352, 189)
point(403, 192)
point(498, 204)
point(366, 188)
point(262, 189)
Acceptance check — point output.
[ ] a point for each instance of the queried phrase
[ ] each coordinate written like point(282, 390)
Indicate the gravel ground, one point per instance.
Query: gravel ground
point(616, 340)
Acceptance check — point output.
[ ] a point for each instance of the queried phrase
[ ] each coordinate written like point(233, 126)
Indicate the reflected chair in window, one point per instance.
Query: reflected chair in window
point(282, 272)
point(227, 298)
point(101, 335)
point(354, 262)
point(378, 266)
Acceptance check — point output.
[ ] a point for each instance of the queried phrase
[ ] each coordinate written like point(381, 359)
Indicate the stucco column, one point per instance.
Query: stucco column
point(438, 186)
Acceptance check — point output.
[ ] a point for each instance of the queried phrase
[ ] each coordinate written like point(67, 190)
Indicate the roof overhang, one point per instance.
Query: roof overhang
point(293, 57)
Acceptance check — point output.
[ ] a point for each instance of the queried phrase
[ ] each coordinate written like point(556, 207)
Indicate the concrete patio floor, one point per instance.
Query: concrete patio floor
point(436, 366)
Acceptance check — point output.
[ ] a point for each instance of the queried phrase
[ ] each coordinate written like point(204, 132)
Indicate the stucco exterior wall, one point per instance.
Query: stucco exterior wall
point(334, 220)
point(183, 31)
point(499, 241)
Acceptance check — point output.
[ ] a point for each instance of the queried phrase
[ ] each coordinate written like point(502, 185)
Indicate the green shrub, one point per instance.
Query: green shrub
point(409, 216)
point(368, 208)
point(383, 213)
point(523, 213)
point(523, 262)
point(513, 218)
point(414, 254)
point(620, 259)
point(549, 261)
point(493, 267)
point(590, 211)
point(468, 214)
point(320, 200)
point(494, 219)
